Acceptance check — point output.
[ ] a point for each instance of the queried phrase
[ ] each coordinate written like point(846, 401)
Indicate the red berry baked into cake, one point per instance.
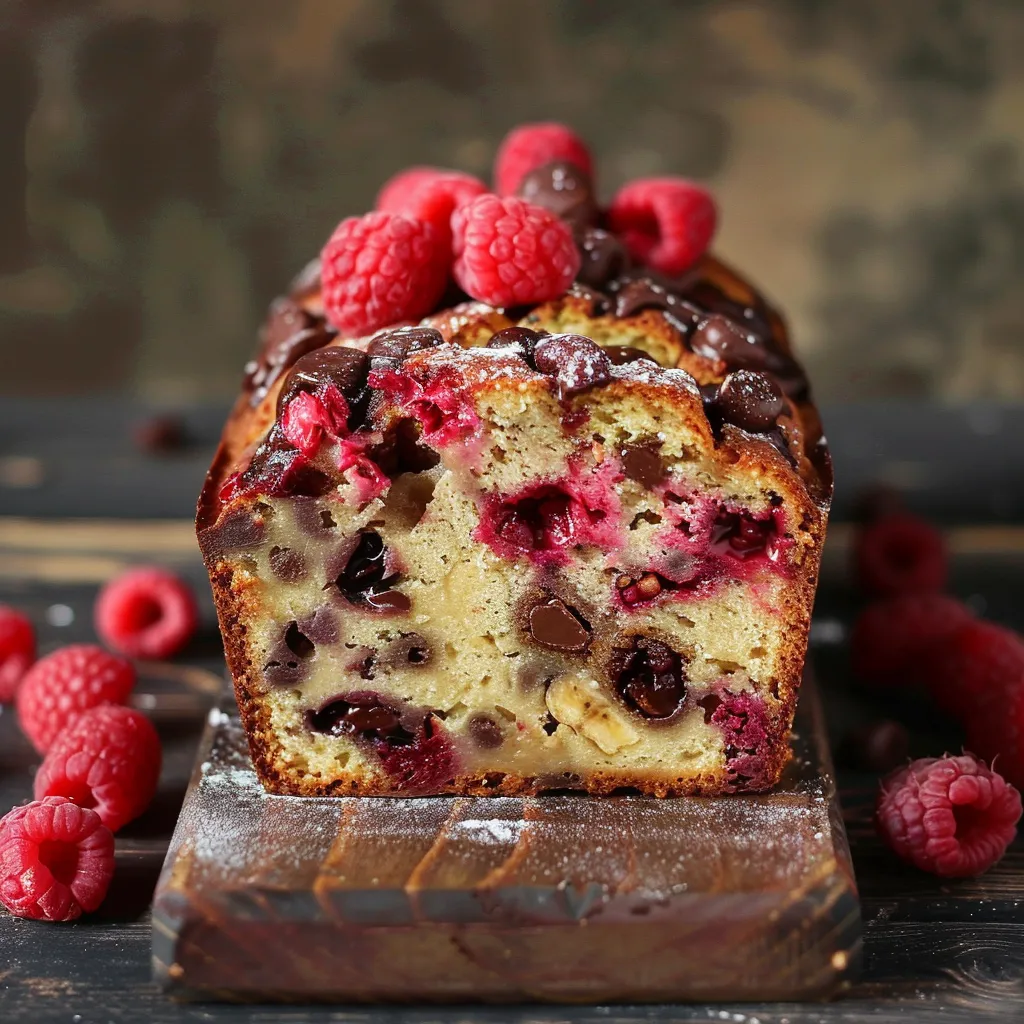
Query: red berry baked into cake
point(521, 494)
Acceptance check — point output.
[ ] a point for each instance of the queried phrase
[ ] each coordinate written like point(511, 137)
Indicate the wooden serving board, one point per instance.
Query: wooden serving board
point(564, 898)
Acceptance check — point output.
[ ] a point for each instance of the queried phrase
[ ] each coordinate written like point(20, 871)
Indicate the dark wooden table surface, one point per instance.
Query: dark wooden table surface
point(78, 501)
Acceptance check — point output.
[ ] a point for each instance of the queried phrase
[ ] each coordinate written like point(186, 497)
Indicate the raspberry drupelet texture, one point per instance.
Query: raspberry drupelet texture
point(65, 684)
point(952, 816)
point(379, 269)
point(56, 860)
point(432, 197)
point(973, 667)
point(665, 222)
point(146, 612)
point(397, 189)
point(892, 638)
point(509, 252)
point(17, 650)
point(899, 554)
point(107, 760)
point(530, 146)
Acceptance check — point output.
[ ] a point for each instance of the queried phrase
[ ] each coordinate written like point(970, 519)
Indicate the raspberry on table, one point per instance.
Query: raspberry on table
point(509, 252)
point(898, 554)
point(17, 650)
point(146, 612)
point(431, 196)
point(107, 760)
point(667, 223)
point(63, 685)
point(530, 146)
point(973, 668)
point(892, 637)
point(952, 816)
point(380, 269)
point(56, 860)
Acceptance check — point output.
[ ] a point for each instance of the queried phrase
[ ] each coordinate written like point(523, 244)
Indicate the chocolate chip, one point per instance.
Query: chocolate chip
point(521, 338)
point(750, 400)
point(237, 531)
point(556, 627)
point(365, 578)
point(485, 731)
point(650, 677)
point(564, 189)
point(642, 463)
point(365, 714)
point(603, 257)
point(619, 355)
point(576, 363)
point(390, 347)
point(388, 601)
point(287, 565)
point(725, 341)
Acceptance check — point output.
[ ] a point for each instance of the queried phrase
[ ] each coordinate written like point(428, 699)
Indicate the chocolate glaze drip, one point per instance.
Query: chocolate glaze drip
point(289, 333)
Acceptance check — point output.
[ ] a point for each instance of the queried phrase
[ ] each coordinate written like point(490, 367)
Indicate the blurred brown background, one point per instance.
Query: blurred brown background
point(165, 165)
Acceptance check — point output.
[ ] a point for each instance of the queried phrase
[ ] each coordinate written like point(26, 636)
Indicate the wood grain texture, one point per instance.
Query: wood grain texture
point(507, 899)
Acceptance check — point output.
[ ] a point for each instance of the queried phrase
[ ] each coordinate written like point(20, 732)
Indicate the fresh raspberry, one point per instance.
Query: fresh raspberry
point(973, 668)
point(146, 612)
point(530, 146)
point(17, 650)
point(893, 636)
point(431, 196)
point(107, 760)
point(379, 269)
point(63, 685)
point(56, 860)
point(899, 554)
point(398, 187)
point(509, 252)
point(952, 816)
point(995, 729)
point(667, 223)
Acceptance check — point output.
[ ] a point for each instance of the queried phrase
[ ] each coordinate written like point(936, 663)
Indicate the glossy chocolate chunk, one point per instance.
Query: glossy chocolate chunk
point(564, 189)
point(365, 578)
point(345, 368)
point(576, 363)
point(723, 340)
point(750, 400)
point(237, 531)
point(554, 626)
point(388, 601)
point(390, 347)
point(650, 677)
point(521, 338)
point(603, 257)
point(642, 463)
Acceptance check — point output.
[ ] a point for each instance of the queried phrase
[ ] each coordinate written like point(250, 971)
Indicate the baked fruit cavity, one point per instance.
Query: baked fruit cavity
point(567, 544)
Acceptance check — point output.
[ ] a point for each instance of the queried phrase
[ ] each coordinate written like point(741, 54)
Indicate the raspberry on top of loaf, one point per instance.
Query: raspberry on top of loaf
point(522, 493)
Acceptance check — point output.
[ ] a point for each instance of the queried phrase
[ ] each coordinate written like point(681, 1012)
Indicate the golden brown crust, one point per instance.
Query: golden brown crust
point(804, 488)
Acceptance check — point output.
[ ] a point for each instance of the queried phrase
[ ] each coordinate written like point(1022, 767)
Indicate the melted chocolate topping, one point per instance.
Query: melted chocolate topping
point(346, 368)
